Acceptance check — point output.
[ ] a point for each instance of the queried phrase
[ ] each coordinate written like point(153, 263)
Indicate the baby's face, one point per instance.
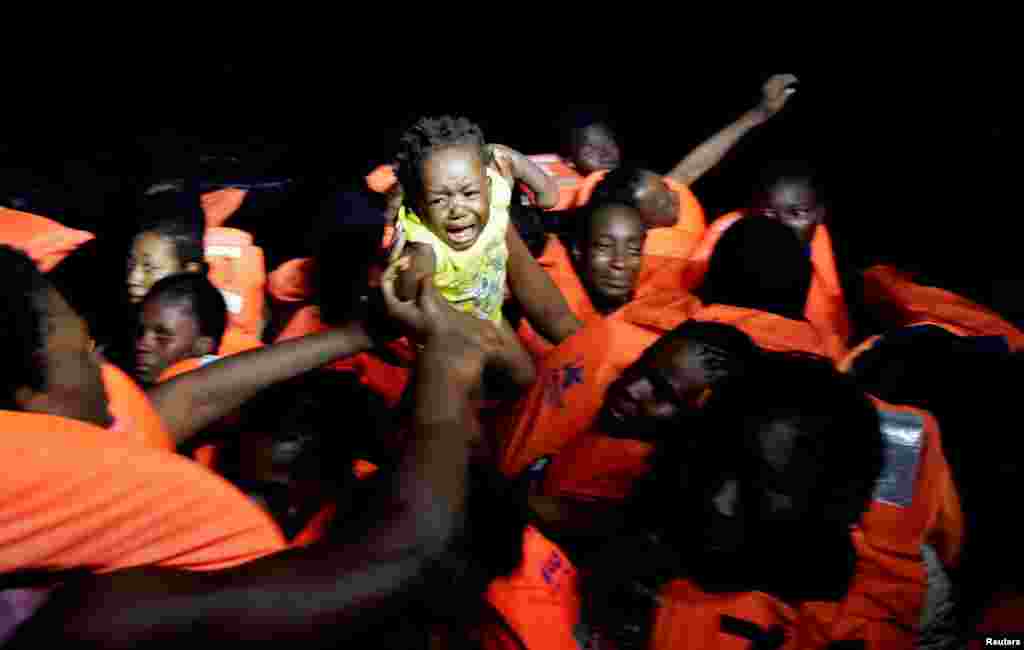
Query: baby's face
point(456, 195)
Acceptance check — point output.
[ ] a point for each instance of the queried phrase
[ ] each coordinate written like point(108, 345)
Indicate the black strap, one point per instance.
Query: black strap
point(760, 639)
point(847, 645)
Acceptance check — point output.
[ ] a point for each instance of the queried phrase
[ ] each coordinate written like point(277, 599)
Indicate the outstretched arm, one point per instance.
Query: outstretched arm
point(331, 591)
point(513, 164)
point(544, 305)
point(775, 93)
point(194, 400)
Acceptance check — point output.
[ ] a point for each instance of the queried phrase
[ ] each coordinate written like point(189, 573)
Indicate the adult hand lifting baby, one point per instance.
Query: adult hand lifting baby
point(469, 341)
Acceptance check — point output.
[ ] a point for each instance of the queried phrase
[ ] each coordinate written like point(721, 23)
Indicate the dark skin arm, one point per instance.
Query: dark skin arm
point(544, 305)
point(329, 592)
point(515, 166)
point(775, 93)
point(192, 401)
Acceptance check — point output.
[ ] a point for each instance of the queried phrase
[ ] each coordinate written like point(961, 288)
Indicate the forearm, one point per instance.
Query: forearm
point(194, 400)
point(542, 302)
point(334, 589)
point(710, 152)
point(544, 188)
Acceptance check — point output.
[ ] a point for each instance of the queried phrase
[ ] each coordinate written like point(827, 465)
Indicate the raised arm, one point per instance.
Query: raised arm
point(775, 93)
point(513, 164)
point(327, 593)
point(544, 305)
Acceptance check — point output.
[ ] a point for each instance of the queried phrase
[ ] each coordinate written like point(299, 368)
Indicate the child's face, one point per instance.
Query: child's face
point(152, 258)
point(168, 333)
point(456, 195)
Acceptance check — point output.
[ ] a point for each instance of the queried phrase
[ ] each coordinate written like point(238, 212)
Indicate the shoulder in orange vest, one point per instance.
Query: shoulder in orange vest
point(221, 205)
point(826, 305)
point(72, 498)
point(573, 377)
point(45, 241)
point(540, 599)
point(135, 419)
point(898, 300)
point(678, 241)
point(691, 618)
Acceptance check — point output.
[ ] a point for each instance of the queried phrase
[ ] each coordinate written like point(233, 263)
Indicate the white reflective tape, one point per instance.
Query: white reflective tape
point(234, 252)
point(209, 358)
point(903, 436)
point(234, 301)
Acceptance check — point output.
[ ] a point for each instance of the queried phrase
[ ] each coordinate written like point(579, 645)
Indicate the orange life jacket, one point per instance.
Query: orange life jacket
point(596, 466)
point(237, 269)
point(73, 498)
point(556, 263)
point(691, 618)
point(573, 377)
point(896, 299)
point(540, 600)
point(677, 241)
point(567, 178)
point(290, 282)
point(221, 205)
point(134, 415)
point(45, 241)
point(382, 179)
point(826, 303)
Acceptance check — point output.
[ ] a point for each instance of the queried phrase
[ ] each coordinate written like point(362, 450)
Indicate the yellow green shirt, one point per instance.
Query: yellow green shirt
point(472, 280)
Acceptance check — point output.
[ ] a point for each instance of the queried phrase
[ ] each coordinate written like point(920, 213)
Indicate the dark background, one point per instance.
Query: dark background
point(917, 157)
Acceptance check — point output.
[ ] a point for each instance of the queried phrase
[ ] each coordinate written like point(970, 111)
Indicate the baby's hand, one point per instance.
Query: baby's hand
point(503, 159)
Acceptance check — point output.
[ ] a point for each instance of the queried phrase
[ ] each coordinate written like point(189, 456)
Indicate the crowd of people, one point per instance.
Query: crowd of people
point(512, 401)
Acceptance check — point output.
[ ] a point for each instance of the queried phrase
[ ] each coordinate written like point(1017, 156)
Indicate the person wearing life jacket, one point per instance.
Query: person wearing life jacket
point(48, 243)
point(375, 582)
point(963, 382)
point(791, 193)
point(73, 496)
point(761, 545)
point(183, 316)
point(667, 204)
point(173, 242)
point(655, 396)
point(757, 280)
point(600, 270)
point(761, 301)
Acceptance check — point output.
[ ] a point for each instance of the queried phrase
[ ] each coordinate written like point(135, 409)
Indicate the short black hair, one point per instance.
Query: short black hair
point(759, 264)
point(349, 242)
point(205, 300)
point(428, 134)
point(22, 324)
point(718, 335)
point(177, 215)
point(620, 185)
point(789, 171)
